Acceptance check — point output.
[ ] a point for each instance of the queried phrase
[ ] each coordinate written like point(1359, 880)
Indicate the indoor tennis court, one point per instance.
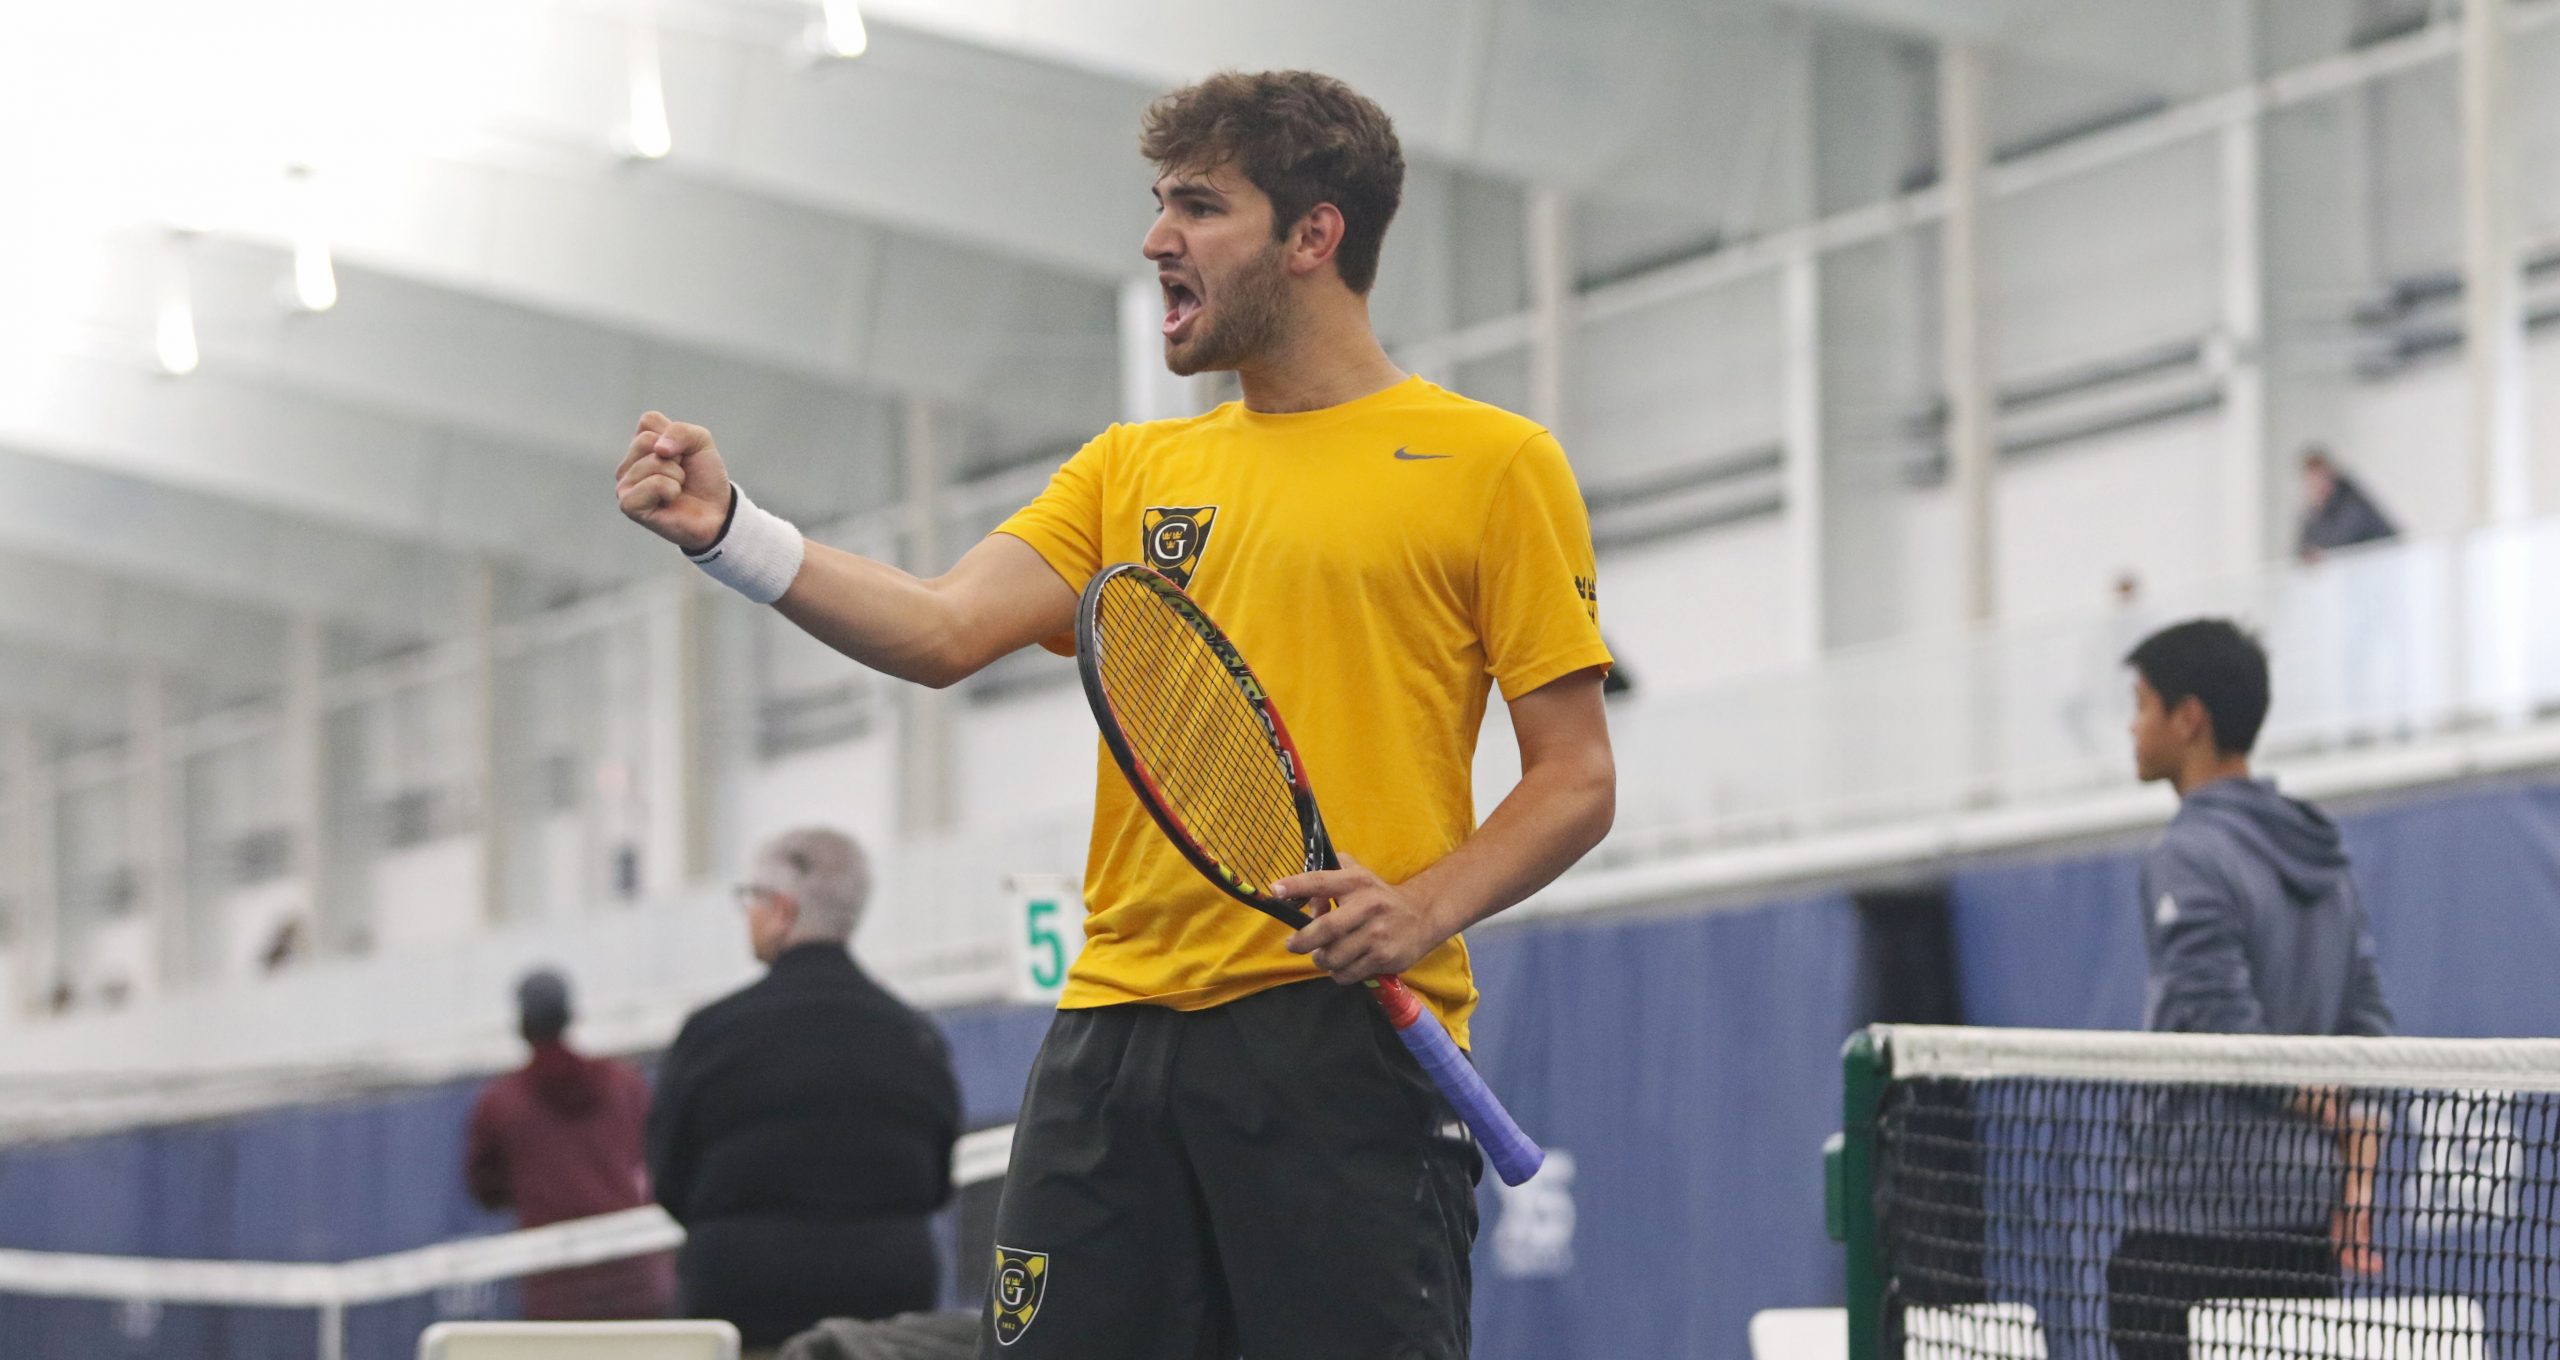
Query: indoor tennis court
point(1530, 679)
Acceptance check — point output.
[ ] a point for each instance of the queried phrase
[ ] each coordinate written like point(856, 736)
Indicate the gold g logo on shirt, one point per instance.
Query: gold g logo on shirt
point(1175, 536)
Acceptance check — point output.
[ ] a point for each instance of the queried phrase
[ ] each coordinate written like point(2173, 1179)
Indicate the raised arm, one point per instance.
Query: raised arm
point(1001, 596)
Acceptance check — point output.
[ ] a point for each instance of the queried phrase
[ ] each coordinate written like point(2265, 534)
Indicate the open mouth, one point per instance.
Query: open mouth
point(1180, 305)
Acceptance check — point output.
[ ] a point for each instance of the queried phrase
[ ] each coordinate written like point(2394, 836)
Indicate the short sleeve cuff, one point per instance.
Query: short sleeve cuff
point(1546, 670)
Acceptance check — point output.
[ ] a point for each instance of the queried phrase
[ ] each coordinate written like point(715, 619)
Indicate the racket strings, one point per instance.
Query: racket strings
point(1203, 741)
point(1198, 737)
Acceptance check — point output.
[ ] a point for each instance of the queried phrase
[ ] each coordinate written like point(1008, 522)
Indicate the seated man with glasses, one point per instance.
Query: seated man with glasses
point(803, 1126)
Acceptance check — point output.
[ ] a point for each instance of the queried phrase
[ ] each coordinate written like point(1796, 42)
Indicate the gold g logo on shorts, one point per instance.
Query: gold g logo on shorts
point(1022, 1277)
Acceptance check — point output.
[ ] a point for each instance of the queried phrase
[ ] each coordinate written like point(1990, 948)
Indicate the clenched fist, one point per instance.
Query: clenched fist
point(673, 482)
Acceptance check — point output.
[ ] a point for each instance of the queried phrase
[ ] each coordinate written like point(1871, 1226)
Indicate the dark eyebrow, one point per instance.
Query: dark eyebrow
point(1188, 191)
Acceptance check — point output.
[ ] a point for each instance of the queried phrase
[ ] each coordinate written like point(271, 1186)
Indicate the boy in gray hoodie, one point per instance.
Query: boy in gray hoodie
point(2253, 927)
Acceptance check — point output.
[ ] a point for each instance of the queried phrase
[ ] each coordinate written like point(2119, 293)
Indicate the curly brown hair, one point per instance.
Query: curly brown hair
point(1303, 139)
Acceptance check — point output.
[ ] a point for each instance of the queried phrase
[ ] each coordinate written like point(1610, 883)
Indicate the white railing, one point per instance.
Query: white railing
point(2379, 648)
point(2384, 645)
point(330, 1289)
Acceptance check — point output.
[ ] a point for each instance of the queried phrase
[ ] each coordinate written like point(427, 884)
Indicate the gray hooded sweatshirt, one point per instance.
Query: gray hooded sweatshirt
point(2253, 927)
point(2253, 923)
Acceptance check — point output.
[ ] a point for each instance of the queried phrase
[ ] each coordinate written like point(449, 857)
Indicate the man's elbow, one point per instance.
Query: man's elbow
point(1598, 784)
point(954, 648)
point(940, 670)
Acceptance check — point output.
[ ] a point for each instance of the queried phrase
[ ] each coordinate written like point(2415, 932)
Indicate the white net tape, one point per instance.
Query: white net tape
point(1965, 1054)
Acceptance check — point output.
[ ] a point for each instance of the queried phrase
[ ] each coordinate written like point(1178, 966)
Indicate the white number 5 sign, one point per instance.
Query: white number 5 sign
point(1044, 914)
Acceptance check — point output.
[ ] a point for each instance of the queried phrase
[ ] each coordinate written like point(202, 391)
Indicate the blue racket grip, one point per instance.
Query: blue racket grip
point(1515, 1156)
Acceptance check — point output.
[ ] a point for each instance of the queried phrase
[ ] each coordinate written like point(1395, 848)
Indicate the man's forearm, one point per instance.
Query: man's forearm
point(885, 618)
point(1000, 596)
point(1551, 818)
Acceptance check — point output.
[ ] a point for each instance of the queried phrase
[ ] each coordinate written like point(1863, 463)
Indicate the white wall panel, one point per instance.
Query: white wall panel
point(2070, 519)
point(850, 786)
point(1031, 755)
point(1684, 612)
point(2089, 268)
point(426, 897)
point(2542, 365)
point(2535, 77)
point(1675, 384)
point(2406, 441)
point(2417, 171)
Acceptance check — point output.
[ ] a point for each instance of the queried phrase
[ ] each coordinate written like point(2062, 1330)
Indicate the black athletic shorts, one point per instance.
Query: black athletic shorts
point(2155, 1278)
point(1273, 1177)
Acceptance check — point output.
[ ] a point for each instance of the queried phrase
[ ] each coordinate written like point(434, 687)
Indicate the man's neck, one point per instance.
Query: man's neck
point(2209, 767)
point(1332, 358)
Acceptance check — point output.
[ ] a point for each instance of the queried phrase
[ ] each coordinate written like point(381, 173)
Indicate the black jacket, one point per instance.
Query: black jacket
point(802, 1133)
point(2347, 518)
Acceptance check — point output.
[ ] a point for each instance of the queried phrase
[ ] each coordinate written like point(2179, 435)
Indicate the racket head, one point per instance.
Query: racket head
point(1198, 738)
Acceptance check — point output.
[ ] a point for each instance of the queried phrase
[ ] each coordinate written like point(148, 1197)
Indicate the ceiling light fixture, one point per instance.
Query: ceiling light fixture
point(175, 339)
point(649, 136)
point(315, 278)
point(839, 32)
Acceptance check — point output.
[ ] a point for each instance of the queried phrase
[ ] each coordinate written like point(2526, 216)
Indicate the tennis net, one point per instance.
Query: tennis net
point(2025, 1193)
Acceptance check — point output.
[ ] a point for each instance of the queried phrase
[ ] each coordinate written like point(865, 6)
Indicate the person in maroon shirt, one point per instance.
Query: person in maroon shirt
point(560, 1138)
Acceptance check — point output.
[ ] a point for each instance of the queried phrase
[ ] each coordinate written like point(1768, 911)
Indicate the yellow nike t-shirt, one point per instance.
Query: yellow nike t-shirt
point(1381, 564)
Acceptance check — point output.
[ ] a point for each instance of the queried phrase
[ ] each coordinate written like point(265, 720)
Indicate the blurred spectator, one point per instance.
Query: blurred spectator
point(285, 947)
point(2362, 656)
point(2336, 512)
point(559, 1138)
point(2094, 713)
point(804, 1125)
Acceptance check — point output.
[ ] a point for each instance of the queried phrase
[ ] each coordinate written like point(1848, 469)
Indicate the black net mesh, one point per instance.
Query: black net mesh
point(2146, 1220)
point(1196, 735)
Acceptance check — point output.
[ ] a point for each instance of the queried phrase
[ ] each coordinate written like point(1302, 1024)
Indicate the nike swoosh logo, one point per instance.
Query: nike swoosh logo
point(1403, 456)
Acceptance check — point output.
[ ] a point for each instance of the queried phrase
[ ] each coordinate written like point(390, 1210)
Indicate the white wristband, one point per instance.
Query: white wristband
point(758, 555)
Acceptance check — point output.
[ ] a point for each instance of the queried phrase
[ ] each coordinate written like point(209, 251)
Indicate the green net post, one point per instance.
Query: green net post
point(1849, 1187)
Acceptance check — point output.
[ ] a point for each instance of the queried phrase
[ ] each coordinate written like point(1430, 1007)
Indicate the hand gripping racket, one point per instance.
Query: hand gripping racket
point(1204, 749)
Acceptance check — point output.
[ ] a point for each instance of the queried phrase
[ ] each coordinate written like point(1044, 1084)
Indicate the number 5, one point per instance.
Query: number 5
point(1048, 952)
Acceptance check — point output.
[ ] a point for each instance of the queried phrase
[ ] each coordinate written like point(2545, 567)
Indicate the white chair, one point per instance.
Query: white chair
point(1967, 1330)
point(680, 1340)
point(1800, 1334)
point(2399, 1327)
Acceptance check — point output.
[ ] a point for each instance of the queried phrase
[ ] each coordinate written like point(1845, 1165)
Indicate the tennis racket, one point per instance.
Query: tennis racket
point(1205, 750)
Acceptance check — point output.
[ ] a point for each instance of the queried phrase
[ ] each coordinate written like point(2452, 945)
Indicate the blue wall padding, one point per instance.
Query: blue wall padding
point(1687, 1063)
point(2463, 890)
point(314, 1183)
point(2050, 944)
point(991, 1050)
point(1689, 1066)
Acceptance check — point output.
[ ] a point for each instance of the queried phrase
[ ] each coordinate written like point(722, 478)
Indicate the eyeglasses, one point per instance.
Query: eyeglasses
point(750, 895)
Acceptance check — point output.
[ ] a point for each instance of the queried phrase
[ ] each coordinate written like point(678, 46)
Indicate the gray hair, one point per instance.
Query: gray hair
point(826, 873)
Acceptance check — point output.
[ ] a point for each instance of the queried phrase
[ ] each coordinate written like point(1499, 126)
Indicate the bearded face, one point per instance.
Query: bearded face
point(1227, 292)
point(1228, 321)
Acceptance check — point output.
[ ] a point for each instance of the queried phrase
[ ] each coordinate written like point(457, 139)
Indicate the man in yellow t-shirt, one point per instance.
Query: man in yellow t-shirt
point(1222, 1147)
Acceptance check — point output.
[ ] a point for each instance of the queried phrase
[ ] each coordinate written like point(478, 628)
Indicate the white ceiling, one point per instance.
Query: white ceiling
point(944, 220)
